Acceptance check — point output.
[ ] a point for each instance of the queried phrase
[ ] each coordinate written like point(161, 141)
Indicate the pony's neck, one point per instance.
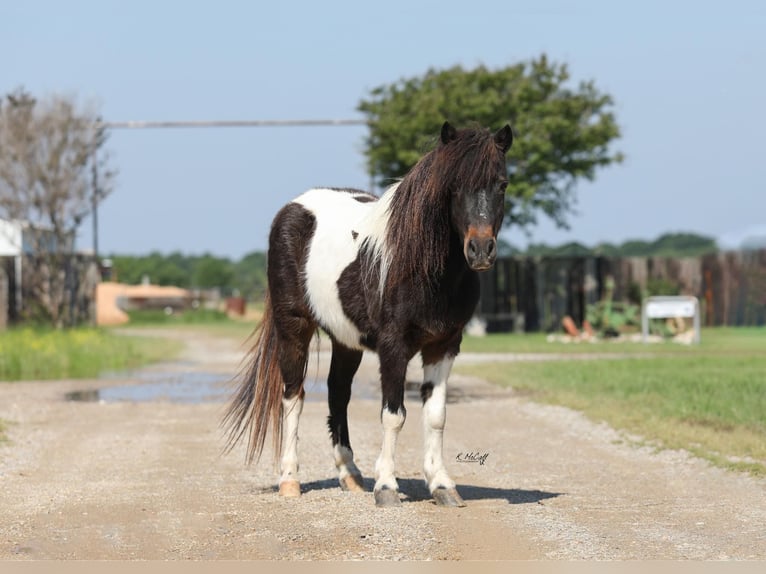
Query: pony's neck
point(417, 236)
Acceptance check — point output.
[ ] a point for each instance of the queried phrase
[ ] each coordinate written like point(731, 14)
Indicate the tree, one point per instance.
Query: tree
point(173, 269)
point(246, 276)
point(683, 244)
point(571, 249)
point(635, 248)
point(210, 272)
point(46, 149)
point(561, 135)
point(606, 249)
point(250, 275)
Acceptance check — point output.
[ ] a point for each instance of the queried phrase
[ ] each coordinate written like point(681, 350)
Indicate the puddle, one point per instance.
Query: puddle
point(194, 387)
point(190, 388)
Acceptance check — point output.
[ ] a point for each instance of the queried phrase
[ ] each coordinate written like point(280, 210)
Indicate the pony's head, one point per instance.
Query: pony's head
point(456, 190)
point(474, 162)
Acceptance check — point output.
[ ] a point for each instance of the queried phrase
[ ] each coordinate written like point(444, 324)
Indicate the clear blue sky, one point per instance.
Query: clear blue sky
point(688, 78)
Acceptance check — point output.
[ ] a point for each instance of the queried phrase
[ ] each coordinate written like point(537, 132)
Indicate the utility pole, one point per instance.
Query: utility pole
point(94, 198)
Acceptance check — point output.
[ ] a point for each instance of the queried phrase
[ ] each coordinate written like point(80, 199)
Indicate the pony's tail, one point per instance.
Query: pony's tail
point(257, 403)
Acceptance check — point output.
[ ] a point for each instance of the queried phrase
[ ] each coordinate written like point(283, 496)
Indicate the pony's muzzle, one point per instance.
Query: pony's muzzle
point(480, 248)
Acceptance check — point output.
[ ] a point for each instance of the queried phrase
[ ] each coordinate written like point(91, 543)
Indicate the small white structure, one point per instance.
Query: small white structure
point(18, 238)
point(10, 238)
point(670, 307)
point(12, 244)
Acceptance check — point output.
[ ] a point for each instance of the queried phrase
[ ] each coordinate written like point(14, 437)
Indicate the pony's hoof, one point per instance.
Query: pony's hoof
point(448, 497)
point(387, 498)
point(290, 489)
point(352, 483)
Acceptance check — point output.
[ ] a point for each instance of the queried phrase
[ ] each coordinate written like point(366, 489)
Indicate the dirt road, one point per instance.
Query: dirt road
point(125, 479)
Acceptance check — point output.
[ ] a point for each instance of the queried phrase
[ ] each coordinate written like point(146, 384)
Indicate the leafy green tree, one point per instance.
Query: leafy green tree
point(247, 276)
point(210, 271)
point(572, 249)
point(159, 269)
point(606, 249)
point(125, 269)
point(683, 245)
point(169, 273)
point(667, 245)
point(562, 135)
point(635, 248)
point(250, 275)
point(539, 250)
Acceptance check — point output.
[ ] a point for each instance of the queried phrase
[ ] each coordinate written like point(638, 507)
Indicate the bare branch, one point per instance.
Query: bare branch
point(46, 150)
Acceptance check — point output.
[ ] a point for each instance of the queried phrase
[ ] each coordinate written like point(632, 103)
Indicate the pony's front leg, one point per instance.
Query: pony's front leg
point(393, 369)
point(434, 394)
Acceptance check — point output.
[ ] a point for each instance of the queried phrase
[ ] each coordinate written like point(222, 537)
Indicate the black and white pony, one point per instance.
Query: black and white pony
point(396, 275)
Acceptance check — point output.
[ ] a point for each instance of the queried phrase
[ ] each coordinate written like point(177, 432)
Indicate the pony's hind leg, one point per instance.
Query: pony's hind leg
point(293, 358)
point(292, 407)
point(436, 369)
point(343, 366)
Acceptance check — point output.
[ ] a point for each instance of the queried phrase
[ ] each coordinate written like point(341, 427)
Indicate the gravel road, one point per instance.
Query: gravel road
point(117, 478)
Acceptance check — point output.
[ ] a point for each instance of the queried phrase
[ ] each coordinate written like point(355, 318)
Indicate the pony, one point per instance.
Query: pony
point(395, 274)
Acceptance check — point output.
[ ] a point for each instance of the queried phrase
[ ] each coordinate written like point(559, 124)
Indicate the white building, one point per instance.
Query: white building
point(12, 245)
point(16, 239)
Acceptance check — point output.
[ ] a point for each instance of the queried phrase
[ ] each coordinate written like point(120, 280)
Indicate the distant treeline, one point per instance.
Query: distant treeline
point(667, 245)
point(247, 276)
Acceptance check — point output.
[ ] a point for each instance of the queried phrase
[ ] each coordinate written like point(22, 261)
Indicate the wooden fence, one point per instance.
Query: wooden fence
point(535, 293)
point(20, 303)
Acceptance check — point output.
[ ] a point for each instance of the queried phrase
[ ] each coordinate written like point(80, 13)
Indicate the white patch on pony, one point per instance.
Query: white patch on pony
point(385, 466)
point(334, 247)
point(375, 233)
point(292, 409)
point(483, 204)
point(344, 461)
point(434, 418)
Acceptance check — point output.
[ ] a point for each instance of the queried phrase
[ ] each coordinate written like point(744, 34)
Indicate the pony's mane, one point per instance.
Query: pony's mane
point(416, 241)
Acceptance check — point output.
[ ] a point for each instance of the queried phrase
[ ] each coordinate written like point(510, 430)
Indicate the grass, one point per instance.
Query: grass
point(718, 340)
point(216, 323)
point(43, 354)
point(709, 399)
point(239, 329)
point(191, 317)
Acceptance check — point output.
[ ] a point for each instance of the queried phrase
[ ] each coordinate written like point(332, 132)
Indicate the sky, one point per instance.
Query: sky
point(687, 78)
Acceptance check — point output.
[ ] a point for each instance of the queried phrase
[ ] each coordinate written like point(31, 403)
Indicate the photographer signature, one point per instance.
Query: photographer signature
point(476, 456)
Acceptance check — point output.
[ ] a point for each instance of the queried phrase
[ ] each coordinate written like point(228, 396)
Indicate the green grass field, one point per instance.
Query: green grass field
point(715, 340)
point(709, 399)
point(192, 317)
point(44, 354)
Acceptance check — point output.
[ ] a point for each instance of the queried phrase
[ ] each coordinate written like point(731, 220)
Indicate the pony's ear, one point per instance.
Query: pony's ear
point(448, 133)
point(504, 138)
